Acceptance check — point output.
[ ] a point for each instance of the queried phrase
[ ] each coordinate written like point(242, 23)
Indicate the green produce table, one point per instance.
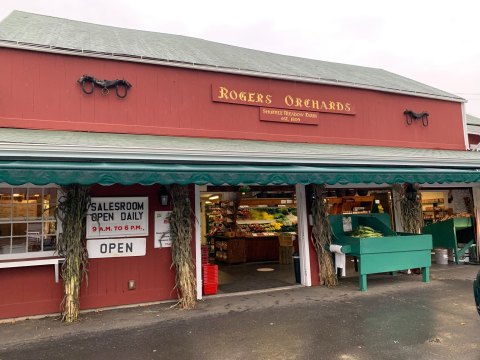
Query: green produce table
point(452, 232)
point(392, 252)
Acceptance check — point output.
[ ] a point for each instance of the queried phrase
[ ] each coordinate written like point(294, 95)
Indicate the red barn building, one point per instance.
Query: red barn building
point(221, 119)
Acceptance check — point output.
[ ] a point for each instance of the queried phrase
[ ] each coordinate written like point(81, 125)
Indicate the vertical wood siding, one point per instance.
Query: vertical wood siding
point(40, 91)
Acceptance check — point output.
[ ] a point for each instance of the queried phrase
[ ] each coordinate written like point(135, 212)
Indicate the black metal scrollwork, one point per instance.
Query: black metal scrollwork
point(411, 115)
point(88, 83)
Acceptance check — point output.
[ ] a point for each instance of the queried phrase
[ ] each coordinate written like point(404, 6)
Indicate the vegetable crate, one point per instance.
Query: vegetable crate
point(391, 252)
point(210, 279)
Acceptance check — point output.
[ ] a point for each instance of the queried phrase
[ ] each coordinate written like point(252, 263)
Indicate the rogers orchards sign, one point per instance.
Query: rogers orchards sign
point(117, 217)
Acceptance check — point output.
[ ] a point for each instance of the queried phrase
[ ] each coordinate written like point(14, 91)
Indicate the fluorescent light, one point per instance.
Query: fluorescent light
point(208, 202)
point(214, 197)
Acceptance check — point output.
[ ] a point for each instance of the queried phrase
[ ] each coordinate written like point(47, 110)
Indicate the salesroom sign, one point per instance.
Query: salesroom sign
point(104, 248)
point(271, 98)
point(110, 217)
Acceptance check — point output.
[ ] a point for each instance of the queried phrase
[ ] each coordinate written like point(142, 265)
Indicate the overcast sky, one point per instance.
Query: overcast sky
point(434, 42)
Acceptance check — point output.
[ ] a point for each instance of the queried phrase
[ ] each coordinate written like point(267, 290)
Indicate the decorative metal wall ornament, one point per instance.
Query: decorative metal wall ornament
point(411, 115)
point(88, 83)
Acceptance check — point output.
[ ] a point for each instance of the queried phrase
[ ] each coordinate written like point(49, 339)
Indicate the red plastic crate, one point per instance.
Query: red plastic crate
point(204, 252)
point(210, 289)
point(210, 279)
point(210, 270)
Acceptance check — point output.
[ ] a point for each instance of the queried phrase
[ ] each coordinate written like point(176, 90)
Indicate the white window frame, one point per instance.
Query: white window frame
point(35, 254)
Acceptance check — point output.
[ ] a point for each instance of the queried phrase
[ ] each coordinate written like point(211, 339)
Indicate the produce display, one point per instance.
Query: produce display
point(454, 216)
point(266, 219)
point(363, 231)
point(243, 227)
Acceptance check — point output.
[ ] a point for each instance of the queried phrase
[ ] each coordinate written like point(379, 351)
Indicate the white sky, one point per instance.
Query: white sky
point(434, 42)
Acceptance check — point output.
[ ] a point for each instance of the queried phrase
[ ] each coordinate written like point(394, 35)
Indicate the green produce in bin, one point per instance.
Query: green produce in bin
point(378, 248)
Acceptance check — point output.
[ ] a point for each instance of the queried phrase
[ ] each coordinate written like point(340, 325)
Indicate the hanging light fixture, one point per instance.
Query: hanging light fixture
point(163, 195)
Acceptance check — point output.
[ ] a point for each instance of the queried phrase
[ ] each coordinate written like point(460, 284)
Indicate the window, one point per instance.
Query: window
point(28, 227)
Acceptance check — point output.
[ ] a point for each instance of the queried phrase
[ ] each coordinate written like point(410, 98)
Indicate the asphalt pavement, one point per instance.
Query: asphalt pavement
point(399, 317)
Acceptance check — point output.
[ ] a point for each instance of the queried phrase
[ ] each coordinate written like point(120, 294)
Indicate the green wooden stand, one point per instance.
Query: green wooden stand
point(452, 232)
point(390, 253)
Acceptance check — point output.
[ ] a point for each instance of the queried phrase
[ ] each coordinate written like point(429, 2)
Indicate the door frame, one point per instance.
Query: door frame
point(302, 235)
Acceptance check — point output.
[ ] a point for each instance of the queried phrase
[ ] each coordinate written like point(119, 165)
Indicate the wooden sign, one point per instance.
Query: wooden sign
point(289, 116)
point(274, 98)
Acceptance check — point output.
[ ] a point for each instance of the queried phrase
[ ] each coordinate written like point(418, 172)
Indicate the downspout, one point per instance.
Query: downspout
point(465, 128)
point(198, 250)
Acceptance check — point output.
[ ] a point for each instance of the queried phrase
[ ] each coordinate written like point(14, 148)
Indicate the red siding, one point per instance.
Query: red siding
point(29, 291)
point(39, 91)
point(32, 290)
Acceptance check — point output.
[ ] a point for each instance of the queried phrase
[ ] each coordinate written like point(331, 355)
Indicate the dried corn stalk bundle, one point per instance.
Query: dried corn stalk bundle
point(72, 211)
point(322, 237)
point(410, 207)
point(181, 235)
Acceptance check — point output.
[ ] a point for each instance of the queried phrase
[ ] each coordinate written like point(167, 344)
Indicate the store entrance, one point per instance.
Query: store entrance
point(250, 233)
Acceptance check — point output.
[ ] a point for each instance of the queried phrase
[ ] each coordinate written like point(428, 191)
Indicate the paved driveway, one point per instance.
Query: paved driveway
point(397, 318)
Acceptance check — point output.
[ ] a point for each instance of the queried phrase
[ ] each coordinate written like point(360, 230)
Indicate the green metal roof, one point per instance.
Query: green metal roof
point(473, 125)
point(49, 34)
point(473, 129)
point(22, 144)
point(473, 120)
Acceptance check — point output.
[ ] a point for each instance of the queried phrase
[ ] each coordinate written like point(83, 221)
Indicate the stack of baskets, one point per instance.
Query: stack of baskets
point(210, 279)
point(204, 252)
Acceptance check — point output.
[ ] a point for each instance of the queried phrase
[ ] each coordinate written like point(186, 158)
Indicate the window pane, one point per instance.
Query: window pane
point(37, 215)
point(35, 194)
point(5, 210)
point(35, 228)
point(4, 245)
point(19, 194)
point(34, 242)
point(35, 200)
point(19, 245)
point(5, 229)
point(5, 194)
point(50, 228)
point(49, 211)
point(50, 195)
point(19, 211)
point(19, 229)
point(49, 243)
point(34, 236)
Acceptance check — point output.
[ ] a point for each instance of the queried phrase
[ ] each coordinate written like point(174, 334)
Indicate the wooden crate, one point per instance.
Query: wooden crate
point(285, 254)
point(285, 239)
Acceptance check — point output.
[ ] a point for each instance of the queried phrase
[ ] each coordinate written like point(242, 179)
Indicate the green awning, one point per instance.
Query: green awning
point(108, 173)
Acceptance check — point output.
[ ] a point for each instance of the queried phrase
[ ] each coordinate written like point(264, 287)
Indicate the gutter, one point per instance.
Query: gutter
point(43, 152)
